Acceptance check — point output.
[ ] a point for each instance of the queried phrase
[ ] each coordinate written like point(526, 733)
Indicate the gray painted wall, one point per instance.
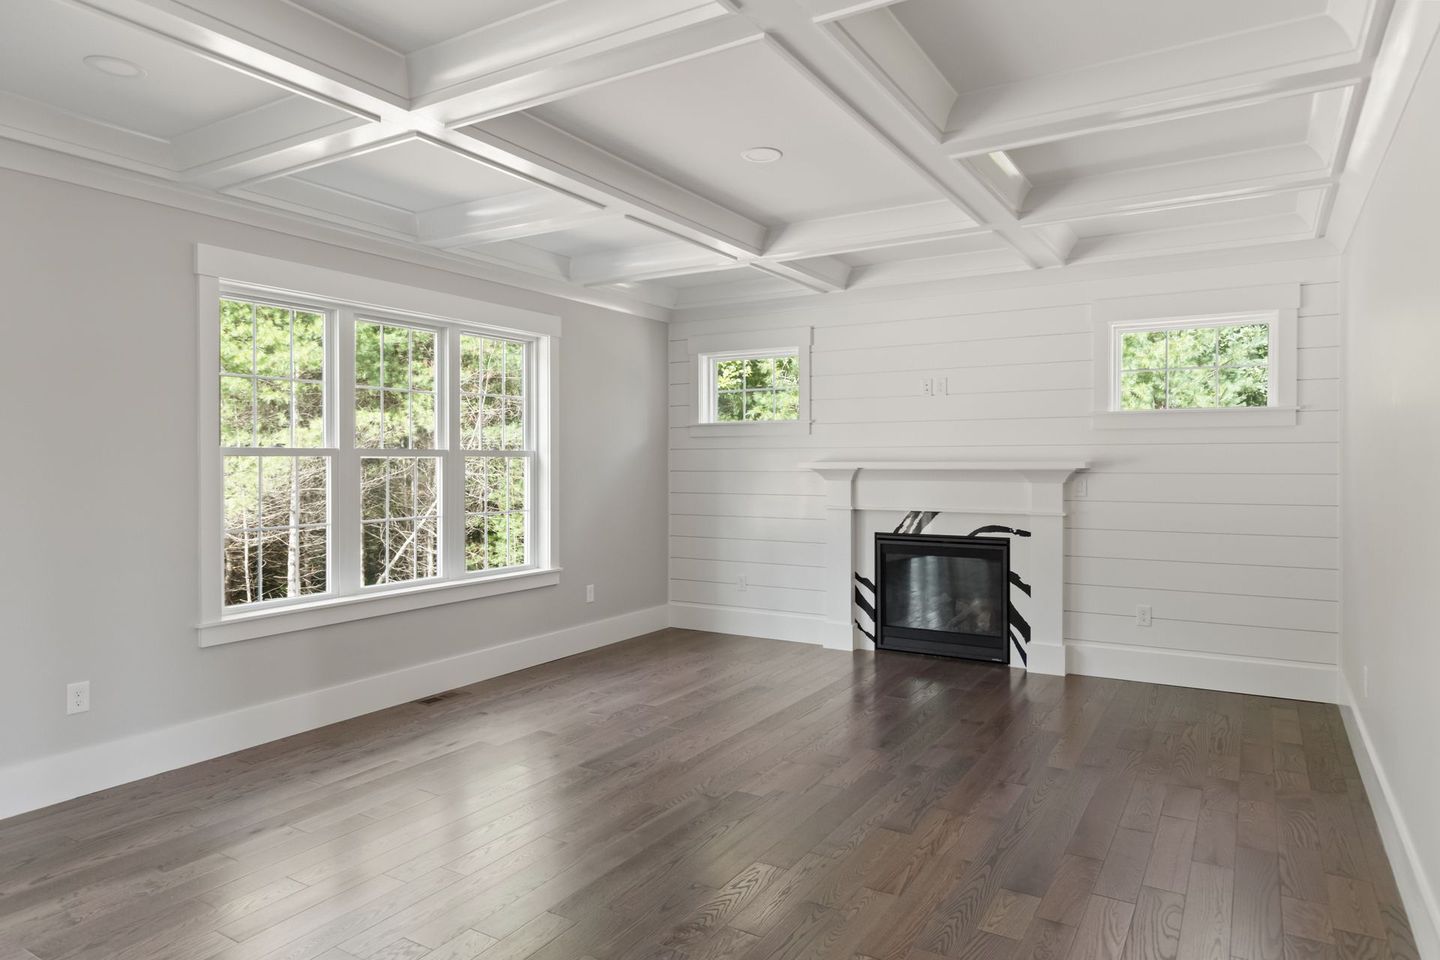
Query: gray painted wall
point(98, 561)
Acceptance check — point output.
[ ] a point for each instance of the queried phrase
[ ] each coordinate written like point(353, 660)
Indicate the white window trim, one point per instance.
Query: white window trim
point(217, 268)
point(703, 350)
point(1275, 305)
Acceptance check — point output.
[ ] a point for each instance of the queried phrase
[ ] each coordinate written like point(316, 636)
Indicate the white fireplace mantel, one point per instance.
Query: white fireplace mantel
point(993, 489)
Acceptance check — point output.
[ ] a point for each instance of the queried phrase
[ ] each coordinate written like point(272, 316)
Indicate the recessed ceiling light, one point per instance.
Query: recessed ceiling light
point(114, 66)
point(762, 154)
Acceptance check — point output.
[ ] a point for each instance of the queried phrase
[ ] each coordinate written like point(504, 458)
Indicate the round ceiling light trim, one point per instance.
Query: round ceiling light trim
point(114, 66)
point(762, 154)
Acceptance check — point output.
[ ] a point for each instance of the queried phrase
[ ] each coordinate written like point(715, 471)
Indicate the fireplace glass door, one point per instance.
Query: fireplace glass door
point(947, 596)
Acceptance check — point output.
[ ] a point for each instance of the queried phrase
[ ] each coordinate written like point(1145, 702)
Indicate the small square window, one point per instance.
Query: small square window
point(750, 387)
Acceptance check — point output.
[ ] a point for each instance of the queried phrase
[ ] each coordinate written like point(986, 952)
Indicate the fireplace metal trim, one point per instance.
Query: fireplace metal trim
point(944, 643)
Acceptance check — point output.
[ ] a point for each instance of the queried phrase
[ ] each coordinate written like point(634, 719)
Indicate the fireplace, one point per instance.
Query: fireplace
point(945, 596)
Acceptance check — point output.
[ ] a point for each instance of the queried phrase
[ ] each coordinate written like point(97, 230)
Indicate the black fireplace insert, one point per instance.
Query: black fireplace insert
point(945, 596)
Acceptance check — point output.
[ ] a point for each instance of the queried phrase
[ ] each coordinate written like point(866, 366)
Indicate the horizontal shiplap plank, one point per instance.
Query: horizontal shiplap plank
point(788, 482)
point(1305, 489)
point(952, 328)
point(748, 528)
point(757, 574)
point(764, 598)
point(1002, 293)
point(1319, 298)
point(978, 353)
point(1318, 363)
point(748, 551)
point(1279, 612)
point(1276, 520)
point(1312, 427)
point(1225, 578)
point(1206, 547)
point(1011, 378)
point(1223, 639)
point(1011, 405)
point(744, 454)
point(747, 505)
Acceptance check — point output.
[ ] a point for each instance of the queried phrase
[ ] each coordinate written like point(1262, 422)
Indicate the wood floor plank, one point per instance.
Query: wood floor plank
point(698, 796)
point(1103, 930)
point(1205, 928)
point(1256, 932)
point(1155, 926)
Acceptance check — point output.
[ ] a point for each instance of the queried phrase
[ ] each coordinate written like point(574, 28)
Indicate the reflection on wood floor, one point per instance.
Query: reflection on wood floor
point(692, 795)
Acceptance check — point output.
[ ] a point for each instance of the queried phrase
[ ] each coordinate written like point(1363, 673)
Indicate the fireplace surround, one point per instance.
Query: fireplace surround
point(946, 596)
point(1017, 493)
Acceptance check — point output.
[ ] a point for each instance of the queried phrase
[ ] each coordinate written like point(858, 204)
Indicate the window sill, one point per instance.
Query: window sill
point(320, 613)
point(753, 428)
point(1165, 419)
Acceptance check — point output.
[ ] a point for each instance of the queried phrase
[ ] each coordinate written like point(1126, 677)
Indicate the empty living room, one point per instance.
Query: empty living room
point(720, 480)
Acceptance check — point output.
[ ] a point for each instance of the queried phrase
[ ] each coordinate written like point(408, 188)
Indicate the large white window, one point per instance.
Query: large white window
point(360, 459)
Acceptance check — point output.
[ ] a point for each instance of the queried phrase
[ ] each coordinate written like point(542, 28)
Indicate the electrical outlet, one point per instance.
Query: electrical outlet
point(927, 387)
point(589, 593)
point(942, 386)
point(744, 583)
point(77, 697)
point(1142, 615)
point(1079, 487)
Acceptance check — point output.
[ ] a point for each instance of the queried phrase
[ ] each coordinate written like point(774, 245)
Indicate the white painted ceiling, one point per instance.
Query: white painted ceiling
point(596, 144)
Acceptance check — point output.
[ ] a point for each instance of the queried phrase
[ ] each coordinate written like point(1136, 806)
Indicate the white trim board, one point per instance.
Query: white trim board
point(1288, 679)
point(1416, 890)
point(1268, 678)
point(30, 785)
point(747, 622)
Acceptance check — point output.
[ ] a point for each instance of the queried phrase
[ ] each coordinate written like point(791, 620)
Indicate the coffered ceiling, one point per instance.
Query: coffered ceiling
point(611, 145)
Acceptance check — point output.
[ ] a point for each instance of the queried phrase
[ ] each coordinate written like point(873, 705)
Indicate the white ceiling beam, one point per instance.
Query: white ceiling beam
point(1215, 98)
point(532, 84)
point(542, 150)
point(866, 231)
point(548, 35)
point(645, 263)
point(823, 11)
point(513, 216)
point(317, 58)
point(821, 274)
point(1399, 56)
point(259, 133)
point(823, 60)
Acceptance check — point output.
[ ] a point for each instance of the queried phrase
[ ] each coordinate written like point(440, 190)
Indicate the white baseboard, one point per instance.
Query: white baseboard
point(1043, 658)
point(1416, 891)
point(748, 622)
point(1183, 668)
point(38, 783)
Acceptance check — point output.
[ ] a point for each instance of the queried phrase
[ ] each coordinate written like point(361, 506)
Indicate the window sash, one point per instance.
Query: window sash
point(710, 390)
point(1117, 360)
point(345, 541)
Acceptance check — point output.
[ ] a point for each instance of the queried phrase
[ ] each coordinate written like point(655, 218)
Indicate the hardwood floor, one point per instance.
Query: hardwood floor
point(695, 796)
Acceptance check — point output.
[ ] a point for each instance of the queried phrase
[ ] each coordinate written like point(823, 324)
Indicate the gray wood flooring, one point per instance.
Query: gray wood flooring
point(694, 796)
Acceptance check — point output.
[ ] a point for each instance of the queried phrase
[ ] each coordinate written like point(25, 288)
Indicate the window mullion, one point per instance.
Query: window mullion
point(345, 477)
point(452, 461)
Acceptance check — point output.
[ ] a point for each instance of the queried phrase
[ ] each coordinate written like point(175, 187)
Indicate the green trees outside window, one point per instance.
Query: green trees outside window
point(1195, 367)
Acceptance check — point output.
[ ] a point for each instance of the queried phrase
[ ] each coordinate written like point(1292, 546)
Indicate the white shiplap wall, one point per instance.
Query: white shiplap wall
point(1230, 534)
